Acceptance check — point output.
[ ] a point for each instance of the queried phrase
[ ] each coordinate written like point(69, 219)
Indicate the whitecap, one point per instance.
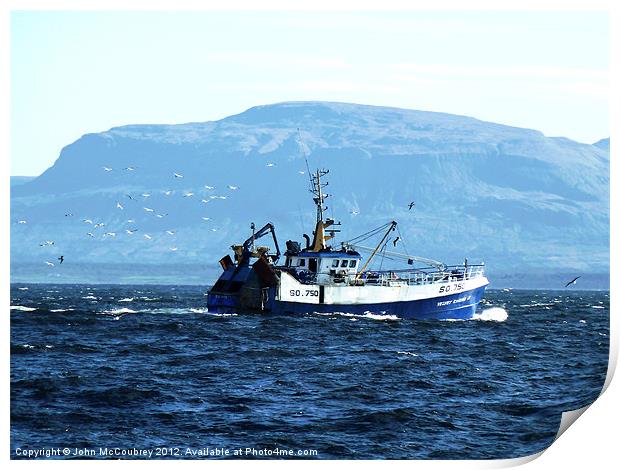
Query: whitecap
point(407, 353)
point(90, 297)
point(29, 346)
point(491, 314)
point(62, 309)
point(198, 310)
point(597, 306)
point(22, 308)
point(127, 299)
point(22, 288)
point(582, 321)
point(367, 314)
point(119, 310)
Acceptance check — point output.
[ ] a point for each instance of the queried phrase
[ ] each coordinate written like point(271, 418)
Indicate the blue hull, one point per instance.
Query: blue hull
point(461, 306)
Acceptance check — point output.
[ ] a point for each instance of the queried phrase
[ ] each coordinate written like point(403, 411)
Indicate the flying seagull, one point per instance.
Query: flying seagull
point(119, 205)
point(354, 212)
point(49, 264)
point(270, 164)
point(178, 175)
point(129, 168)
point(106, 168)
point(168, 193)
point(69, 214)
point(22, 222)
point(147, 236)
point(572, 282)
point(233, 187)
point(48, 242)
point(61, 259)
point(87, 221)
point(148, 209)
point(209, 187)
point(146, 194)
point(130, 232)
point(100, 224)
point(411, 204)
point(129, 196)
point(206, 218)
point(90, 234)
point(174, 249)
point(189, 194)
point(396, 240)
point(170, 232)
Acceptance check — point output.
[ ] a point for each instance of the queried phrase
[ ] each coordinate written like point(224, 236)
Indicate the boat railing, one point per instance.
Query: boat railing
point(417, 276)
point(421, 276)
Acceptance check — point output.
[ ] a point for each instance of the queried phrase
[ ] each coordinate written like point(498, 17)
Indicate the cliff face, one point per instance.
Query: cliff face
point(511, 197)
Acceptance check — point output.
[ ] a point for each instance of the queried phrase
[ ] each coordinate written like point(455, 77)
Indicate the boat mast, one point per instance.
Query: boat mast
point(316, 189)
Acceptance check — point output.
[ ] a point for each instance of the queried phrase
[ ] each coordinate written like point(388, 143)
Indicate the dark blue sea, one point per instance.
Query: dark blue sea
point(121, 371)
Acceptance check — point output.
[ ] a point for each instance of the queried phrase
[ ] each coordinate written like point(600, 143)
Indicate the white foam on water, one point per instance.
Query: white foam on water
point(22, 308)
point(29, 346)
point(119, 310)
point(90, 297)
point(597, 306)
point(407, 353)
point(372, 316)
point(62, 309)
point(198, 310)
point(22, 288)
point(582, 321)
point(537, 305)
point(491, 314)
point(127, 299)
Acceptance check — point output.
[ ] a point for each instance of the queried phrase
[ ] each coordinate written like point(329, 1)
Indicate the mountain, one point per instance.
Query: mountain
point(17, 180)
point(518, 200)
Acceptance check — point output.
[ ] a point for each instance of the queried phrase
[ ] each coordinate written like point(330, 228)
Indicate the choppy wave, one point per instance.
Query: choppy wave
point(118, 311)
point(126, 299)
point(370, 315)
point(55, 310)
point(491, 314)
point(21, 308)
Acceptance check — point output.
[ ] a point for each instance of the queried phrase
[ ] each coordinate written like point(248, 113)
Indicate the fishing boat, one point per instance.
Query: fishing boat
point(322, 278)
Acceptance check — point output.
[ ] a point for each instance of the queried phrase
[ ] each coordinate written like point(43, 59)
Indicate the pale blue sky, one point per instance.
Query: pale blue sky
point(78, 72)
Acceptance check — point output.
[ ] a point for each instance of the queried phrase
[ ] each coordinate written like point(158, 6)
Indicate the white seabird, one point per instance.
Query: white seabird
point(147, 236)
point(170, 232)
point(106, 168)
point(119, 205)
point(148, 209)
point(178, 175)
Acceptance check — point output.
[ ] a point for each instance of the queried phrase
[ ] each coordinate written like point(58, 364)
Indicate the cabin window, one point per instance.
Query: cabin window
point(352, 263)
point(335, 263)
point(312, 265)
point(302, 262)
point(344, 263)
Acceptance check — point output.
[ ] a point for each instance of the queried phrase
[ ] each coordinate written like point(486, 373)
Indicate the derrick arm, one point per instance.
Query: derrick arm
point(267, 228)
